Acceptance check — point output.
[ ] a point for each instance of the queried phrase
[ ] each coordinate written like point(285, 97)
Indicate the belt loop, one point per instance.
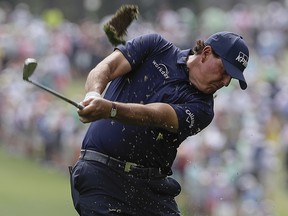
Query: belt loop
point(84, 153)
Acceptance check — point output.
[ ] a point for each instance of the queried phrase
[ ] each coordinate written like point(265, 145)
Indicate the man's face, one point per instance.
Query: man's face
point(208, 73)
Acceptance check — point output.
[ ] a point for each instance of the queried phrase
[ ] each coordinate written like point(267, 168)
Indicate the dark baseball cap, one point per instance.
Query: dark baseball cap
point(234, 53)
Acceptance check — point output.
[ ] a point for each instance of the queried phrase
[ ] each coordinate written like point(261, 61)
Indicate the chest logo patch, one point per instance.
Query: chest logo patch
point(162, 69)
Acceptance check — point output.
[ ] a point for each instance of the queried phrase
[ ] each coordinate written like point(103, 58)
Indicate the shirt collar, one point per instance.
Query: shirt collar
point(183, 55)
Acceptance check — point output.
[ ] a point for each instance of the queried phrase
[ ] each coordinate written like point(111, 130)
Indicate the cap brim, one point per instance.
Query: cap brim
point(235, 73)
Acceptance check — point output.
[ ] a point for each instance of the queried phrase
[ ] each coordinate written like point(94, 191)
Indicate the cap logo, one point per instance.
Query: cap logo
point(242, 59)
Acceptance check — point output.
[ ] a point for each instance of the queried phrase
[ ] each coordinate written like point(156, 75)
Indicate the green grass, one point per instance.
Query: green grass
point(29, 189)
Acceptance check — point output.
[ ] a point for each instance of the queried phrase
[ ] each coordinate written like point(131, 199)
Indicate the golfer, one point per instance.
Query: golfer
point(158, 96)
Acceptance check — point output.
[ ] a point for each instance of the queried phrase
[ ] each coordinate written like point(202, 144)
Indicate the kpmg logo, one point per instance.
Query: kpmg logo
point(242, 59)
point(162, 69)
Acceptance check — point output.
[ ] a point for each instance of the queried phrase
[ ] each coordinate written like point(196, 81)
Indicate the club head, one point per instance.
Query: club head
point(30, 65)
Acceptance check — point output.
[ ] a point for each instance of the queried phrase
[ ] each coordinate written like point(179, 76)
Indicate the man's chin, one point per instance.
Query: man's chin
point(209, 90)
point(206, 90)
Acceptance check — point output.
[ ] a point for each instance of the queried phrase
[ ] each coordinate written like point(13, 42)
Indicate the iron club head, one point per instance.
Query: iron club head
point(30, 65)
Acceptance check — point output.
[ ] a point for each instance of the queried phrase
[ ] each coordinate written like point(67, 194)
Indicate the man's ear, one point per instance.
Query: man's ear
point(207, 50)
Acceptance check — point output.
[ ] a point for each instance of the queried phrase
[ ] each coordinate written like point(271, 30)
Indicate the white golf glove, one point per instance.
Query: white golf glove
point(92, 95)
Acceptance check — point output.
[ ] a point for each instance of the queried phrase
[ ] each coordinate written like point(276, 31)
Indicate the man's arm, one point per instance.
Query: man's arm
point(159, 115)
point(155, 114)
point(108, 69)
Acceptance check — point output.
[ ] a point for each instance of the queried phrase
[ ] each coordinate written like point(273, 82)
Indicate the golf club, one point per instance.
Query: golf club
point(30, 65)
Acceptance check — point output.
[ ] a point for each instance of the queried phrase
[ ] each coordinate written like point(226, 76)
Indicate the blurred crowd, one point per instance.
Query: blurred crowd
point(226, 169)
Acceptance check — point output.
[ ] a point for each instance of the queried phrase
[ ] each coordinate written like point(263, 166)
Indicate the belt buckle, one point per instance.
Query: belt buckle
point(128, 166)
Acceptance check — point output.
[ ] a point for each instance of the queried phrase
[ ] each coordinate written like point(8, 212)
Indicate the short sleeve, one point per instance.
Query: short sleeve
point(193, 117)
point(137, 49)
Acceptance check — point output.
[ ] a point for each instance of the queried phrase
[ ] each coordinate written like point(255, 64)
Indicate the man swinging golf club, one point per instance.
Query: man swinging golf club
point(158, 96)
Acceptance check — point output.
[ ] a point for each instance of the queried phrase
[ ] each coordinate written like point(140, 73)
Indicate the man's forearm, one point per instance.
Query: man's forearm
point(153, 115)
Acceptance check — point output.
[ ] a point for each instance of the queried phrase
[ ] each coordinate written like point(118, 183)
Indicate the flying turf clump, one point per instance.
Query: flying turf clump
point(116, 28)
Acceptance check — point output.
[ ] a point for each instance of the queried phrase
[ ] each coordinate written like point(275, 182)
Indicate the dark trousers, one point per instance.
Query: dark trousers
point(101, 190)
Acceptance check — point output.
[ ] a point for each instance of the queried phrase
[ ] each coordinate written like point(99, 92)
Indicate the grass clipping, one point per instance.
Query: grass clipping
point(116, 28)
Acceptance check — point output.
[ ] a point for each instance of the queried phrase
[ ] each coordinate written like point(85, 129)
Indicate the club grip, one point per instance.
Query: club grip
point(79, 106)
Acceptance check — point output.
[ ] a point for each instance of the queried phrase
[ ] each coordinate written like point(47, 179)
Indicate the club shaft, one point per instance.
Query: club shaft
point(79, 106)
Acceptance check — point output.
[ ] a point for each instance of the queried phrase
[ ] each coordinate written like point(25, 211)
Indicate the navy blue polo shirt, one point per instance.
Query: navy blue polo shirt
point(159, 74)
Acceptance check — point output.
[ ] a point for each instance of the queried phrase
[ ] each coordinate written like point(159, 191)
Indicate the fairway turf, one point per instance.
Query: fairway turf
point(29, 189)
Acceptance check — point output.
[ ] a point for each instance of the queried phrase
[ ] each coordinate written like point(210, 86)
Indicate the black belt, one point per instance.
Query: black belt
point(127, 167)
